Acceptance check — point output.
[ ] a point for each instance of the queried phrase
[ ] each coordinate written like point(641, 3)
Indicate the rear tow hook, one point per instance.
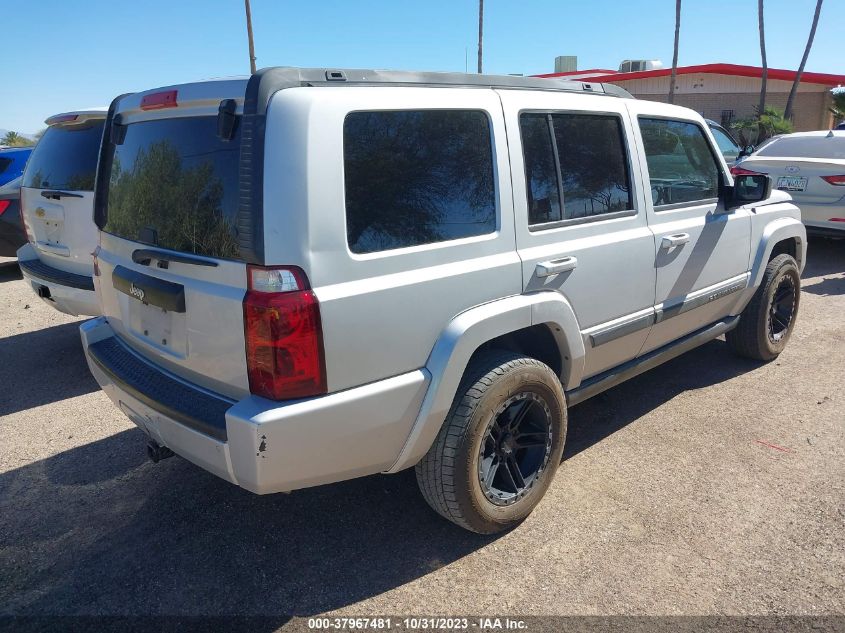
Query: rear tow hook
point(156, 452)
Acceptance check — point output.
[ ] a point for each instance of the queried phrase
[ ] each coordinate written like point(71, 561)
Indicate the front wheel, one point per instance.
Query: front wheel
point(500, 445)
point(768, 320)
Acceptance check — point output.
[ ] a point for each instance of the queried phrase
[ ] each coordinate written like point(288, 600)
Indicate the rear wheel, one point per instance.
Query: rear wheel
point(768, 320)
point(500, 446)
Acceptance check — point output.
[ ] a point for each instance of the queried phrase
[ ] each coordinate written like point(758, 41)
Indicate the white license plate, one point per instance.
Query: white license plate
point(792, 183)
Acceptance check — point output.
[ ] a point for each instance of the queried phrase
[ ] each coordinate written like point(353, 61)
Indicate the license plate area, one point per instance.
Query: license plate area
point(792, 183)
point(158, 328)
point(155, 310)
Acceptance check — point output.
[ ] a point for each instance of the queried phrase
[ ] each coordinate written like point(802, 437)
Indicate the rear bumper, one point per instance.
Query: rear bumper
point(817, 217)
point(258, 444)
point(68, 292)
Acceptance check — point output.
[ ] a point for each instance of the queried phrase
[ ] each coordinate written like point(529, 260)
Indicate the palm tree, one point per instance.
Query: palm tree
point(11, 138)
point(480, 31)
point(765, 76)
point(675, 53)
point(787, 113)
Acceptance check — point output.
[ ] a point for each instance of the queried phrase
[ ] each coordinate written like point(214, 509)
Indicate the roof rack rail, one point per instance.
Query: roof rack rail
point(270, 80)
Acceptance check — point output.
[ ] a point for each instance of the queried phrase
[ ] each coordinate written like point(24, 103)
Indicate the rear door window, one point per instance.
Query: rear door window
point(4, 164)
point(173, 183)
point(417, 177)
point(65, 158)
point(581, 159)
point(681, 164)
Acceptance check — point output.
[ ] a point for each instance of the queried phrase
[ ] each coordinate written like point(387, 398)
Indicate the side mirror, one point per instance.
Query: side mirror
point(748, 189)
point(746, 151)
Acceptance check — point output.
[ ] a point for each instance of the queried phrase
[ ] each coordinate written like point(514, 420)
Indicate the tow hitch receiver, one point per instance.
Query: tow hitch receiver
point(156, 452)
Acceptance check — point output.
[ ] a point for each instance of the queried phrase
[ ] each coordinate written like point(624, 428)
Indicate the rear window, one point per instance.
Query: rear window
point(174, 184)
point(65, 158)
point(4, 164)
point(806, 147)
point(417, 177)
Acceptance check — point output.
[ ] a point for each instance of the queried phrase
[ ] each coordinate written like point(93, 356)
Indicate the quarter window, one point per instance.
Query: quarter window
point(578, 158)
point(417, 177)
point(681, 165)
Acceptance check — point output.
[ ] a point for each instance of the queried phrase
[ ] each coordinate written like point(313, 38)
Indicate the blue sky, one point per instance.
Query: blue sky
point(61, 55)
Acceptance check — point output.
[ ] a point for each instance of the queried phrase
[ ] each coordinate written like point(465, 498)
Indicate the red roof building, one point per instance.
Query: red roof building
point(726, 92)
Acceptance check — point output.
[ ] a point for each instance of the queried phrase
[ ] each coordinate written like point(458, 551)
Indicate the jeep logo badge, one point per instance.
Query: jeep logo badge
point(136, 292)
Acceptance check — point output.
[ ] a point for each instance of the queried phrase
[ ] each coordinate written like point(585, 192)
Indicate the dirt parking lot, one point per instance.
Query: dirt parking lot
point(712, 485)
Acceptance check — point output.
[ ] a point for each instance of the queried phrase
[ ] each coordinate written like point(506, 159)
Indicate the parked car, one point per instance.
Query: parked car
point(840, 126)
point(12, 162)
point(12, 236)
point(811, 167)
point(727, 144)
point(57, 207)
point(314, 275)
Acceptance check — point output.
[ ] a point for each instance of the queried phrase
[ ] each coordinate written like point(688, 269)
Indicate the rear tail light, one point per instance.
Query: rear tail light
point(834, 180)
point(4, 204)
point(25, 226)
point(284, 336)
point(736, 170)
point(159, 100)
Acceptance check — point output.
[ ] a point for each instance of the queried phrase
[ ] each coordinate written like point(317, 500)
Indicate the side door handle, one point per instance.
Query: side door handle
point(556, 266)
point(670, 241)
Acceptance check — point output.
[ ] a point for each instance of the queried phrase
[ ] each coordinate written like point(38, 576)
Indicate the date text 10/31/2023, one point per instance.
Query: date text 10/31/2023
point(417, 623)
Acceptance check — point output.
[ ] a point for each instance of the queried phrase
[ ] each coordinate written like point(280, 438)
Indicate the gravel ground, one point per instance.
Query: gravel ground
point(711, 485)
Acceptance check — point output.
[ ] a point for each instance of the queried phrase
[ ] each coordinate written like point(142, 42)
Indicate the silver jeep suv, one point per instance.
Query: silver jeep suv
point(313, 275)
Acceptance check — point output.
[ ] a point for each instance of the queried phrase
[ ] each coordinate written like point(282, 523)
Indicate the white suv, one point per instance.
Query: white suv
point(314, 275)
point(57, 205)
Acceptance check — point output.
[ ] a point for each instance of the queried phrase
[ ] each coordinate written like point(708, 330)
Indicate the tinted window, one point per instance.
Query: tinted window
point(806, 146)
point(593, 176)
point(729, 149)
point(593, 164)
point(417, 177)
point(65, 158)
point(4, 164)
point(541, 180)
point(174, 184)
point(681, 166)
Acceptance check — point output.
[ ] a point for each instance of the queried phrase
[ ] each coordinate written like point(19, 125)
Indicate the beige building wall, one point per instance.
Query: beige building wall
point(711, 94)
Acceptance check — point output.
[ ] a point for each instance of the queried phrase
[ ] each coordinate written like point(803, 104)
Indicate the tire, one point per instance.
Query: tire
point(501, 392)
point(764, 328)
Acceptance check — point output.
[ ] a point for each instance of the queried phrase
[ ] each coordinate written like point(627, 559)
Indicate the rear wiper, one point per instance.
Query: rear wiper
point(143, 256)
point(54, 194)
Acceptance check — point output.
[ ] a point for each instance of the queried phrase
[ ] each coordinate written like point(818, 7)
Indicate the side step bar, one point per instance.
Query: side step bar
point(602, 382)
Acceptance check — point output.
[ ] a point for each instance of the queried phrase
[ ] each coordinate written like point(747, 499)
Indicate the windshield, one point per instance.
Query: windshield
point(174, 184)
point(806, 147)
point(729, 149)
point(65, 158)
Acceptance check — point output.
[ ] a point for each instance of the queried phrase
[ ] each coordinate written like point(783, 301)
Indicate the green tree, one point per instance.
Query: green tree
point(13, 139)
point(838, 108)
point(755, 129)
